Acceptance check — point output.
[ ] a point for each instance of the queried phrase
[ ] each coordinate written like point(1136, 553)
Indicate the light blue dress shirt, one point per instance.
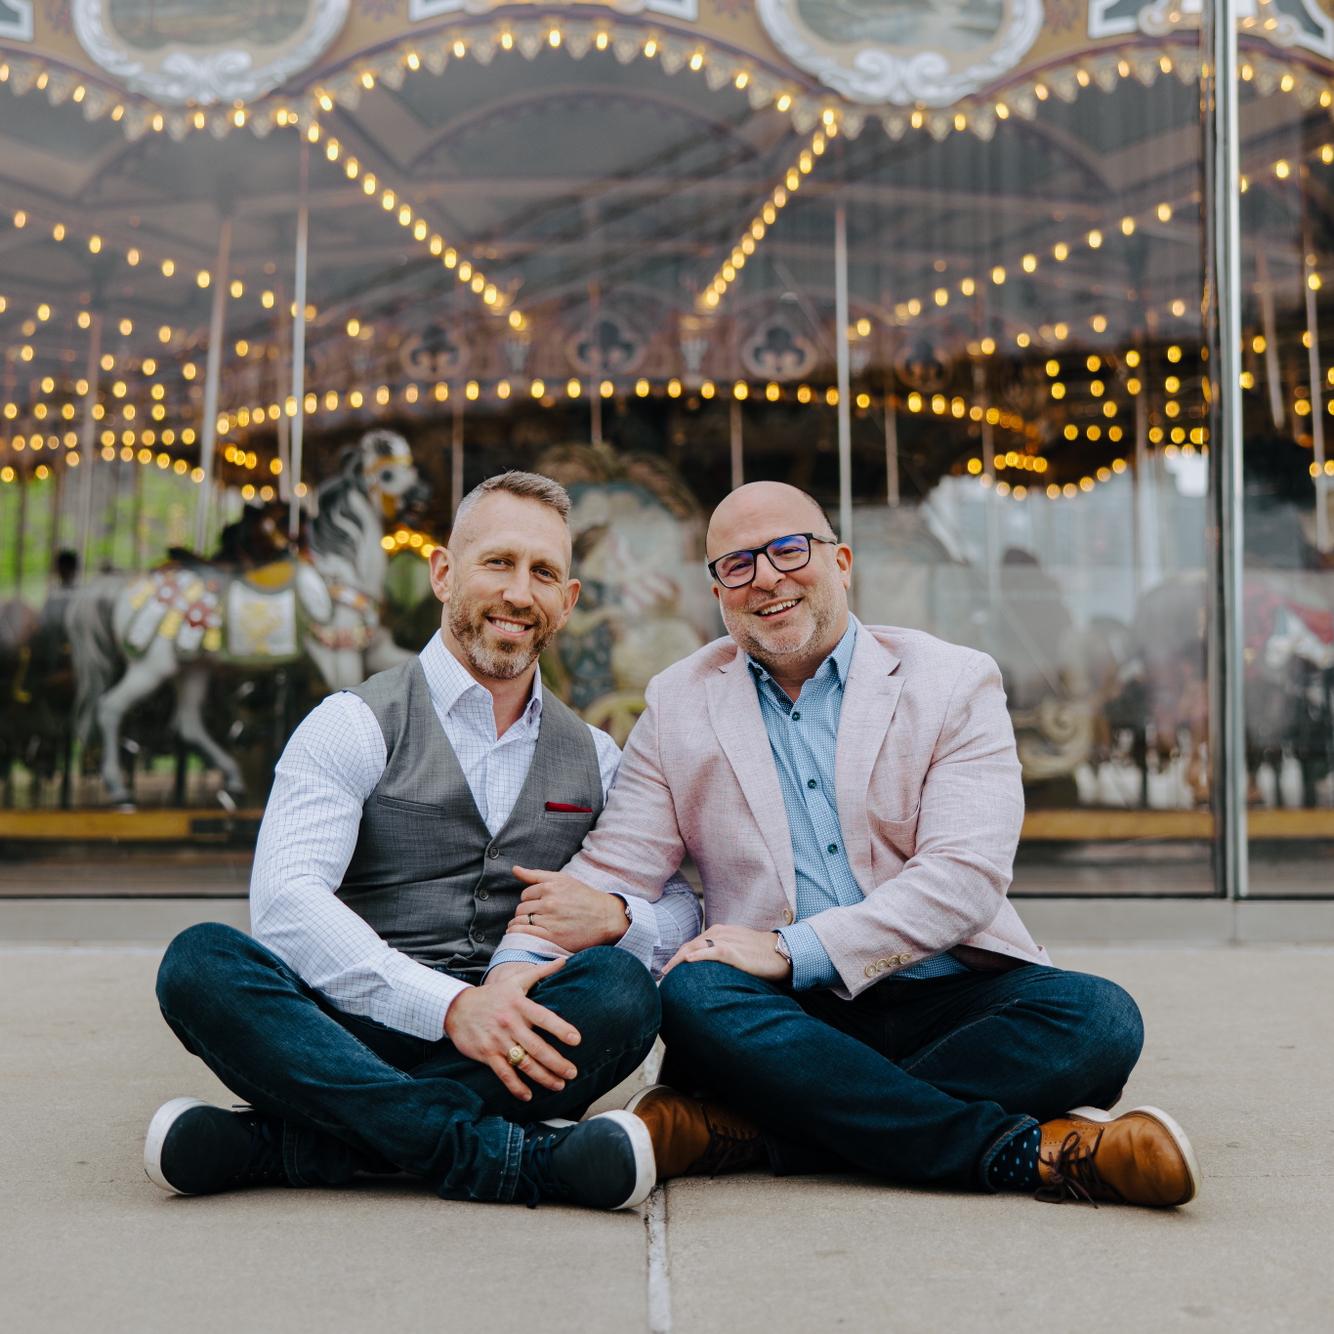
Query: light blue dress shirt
point(803, 737)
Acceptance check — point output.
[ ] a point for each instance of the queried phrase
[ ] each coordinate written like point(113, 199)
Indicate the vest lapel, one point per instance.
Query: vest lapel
point(734, 710)
point(870, 696)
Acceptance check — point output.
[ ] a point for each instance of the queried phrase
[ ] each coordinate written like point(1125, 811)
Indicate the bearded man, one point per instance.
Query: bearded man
point(366, 1022)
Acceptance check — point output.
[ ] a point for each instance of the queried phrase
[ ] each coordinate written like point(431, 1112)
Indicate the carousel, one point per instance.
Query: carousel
point(280, 280)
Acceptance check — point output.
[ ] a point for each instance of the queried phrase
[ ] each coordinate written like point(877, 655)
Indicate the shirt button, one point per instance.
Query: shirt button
point(493, 853)
point(810, 782)
point(796, 715)
point(833, 847)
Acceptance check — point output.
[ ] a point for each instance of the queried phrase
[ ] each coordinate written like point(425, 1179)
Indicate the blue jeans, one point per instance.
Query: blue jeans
point(354, 1095)
point(921, 1081)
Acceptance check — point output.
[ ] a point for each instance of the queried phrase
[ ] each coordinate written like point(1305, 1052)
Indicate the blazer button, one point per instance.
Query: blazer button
point(870, 970)
point(787, 917)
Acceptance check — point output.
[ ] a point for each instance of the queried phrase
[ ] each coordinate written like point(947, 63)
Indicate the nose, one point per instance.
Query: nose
point(767, 574)
point(518, 590)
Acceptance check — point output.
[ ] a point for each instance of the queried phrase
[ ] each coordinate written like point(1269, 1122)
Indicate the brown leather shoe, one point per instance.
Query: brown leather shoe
point(1139, 1157)
point(695, 1138)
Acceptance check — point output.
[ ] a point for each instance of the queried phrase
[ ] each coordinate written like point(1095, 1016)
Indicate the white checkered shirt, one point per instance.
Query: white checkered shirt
point(331, 765)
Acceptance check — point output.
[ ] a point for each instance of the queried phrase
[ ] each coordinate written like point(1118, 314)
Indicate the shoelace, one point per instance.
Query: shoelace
point(265, 1163)
point(727, 1149)
point(1074, 1173)
point(537, 1175)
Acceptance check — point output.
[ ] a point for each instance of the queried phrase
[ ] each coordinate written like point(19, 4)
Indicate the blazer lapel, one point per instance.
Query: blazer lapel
point(870, 696)
point(734, 710)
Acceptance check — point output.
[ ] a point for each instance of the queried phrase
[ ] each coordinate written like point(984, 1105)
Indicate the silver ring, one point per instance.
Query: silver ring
point(530, 919)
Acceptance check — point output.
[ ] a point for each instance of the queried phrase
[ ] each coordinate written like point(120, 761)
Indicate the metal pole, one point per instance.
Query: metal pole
point(286, 485)
point(1273, 379)
point(841, 344)
point(1227, 712)
point(456, 458)
point(1147, 552)
point(1309, 273)
point(735, 439)
point(208, 433)
point(299, 342)
point(20, 533)
point(86, 429)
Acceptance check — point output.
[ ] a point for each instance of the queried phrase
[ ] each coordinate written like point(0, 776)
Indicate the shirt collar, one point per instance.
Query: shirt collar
point(841, 657)
point(449, 681)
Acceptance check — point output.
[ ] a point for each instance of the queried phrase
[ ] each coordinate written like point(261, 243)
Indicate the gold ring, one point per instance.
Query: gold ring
point(516, 1055)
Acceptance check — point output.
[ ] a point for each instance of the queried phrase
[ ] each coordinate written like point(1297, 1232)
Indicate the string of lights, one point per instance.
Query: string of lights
point(464, 270)
point(778, 199)
point(626, 38)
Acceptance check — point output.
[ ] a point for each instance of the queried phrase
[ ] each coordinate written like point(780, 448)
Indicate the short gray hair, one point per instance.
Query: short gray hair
point(528, 485)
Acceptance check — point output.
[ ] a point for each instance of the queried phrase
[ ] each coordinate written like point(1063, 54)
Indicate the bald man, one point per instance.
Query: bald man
point(369, 1022)
point(864, 996)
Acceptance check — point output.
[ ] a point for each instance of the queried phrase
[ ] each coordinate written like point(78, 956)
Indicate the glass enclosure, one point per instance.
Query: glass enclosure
point(941, 265)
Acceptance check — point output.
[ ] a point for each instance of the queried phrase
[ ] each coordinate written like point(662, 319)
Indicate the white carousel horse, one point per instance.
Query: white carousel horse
point(183, 619)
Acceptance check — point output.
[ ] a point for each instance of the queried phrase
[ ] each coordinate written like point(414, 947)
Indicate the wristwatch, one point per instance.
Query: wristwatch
point(781, 949)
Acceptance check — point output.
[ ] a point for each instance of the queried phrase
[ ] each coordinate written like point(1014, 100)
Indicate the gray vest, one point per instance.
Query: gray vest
point(426, 872)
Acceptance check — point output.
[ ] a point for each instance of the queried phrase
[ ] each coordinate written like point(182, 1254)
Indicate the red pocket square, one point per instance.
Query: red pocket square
point(565, 806)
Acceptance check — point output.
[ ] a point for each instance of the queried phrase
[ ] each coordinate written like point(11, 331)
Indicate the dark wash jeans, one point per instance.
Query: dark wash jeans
point(921, 1081)
point(353, 1094)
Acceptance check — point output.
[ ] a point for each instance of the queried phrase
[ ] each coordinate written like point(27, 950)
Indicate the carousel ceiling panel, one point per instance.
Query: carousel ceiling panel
point(60, 132)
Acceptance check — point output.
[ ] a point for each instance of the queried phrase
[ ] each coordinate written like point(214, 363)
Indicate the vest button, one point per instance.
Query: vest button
point(483, 895)
point(493, 853)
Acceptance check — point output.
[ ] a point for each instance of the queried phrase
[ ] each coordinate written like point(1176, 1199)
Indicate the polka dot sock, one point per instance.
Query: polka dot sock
point(1015, 1167)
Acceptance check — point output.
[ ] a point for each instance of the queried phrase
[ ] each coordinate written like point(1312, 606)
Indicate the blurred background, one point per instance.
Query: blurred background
point(280, 280)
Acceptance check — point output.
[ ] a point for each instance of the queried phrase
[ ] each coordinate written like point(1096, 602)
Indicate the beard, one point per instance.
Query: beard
point(500, 659)
point(776, 649)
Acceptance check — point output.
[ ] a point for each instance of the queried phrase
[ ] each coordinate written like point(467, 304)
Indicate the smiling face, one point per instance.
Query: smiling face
point(789, 621)
point(505, 584)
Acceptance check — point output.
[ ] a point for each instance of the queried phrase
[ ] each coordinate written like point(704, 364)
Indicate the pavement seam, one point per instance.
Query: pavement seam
point(659, 1280)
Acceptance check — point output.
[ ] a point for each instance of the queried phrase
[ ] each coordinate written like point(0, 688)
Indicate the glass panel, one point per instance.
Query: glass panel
point(1288, 394)
point(614, 261)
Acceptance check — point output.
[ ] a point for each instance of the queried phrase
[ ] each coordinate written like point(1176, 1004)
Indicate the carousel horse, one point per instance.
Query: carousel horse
point(180, 621)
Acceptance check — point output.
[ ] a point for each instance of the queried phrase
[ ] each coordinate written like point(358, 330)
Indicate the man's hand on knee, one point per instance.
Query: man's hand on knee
point(752, 952)
point(497, 1024)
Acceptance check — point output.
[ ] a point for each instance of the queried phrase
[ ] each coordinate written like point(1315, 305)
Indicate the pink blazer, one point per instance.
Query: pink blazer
point(928, 793)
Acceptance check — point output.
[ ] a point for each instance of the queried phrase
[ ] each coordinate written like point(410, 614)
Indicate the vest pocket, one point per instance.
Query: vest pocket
point(403, 804)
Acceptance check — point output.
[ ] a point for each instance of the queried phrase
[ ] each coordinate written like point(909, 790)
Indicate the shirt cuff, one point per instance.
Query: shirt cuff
point(516, 956)
point(421, 999)
point(811, 965)
point(641, 935)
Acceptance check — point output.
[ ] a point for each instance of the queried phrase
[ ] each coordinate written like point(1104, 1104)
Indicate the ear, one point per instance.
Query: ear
point(843, 560)
point(441, 568)
point(572, 587)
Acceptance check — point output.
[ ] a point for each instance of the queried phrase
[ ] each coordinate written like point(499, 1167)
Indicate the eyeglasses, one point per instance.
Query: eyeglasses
point(793, 552)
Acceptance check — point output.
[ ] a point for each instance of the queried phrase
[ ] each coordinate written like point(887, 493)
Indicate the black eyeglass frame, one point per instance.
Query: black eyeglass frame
point(756, 552)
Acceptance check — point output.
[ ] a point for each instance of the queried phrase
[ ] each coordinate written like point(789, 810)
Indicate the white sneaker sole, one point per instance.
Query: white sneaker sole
point(646, 1167)
point(164, 1118)
point(1167, 1122)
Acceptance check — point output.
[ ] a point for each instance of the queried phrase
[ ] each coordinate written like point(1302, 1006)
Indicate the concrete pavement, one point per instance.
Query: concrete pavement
point(1239, 1049)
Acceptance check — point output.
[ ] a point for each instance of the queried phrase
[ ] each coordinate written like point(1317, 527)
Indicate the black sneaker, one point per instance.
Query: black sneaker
point(193, 1148)
point(605, 1162)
